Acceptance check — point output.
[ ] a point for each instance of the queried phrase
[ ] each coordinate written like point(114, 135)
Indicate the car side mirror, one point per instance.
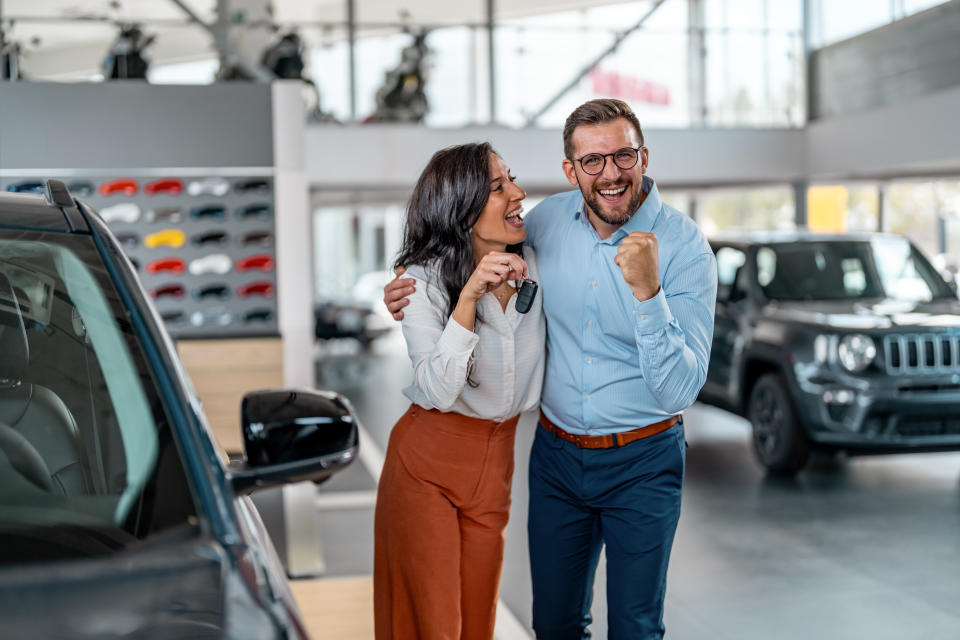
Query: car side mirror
point(293, 435)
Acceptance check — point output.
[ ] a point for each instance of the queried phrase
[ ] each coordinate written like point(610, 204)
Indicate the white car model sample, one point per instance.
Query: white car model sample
point(209, 186)
point(214, 263)
point(124, 212)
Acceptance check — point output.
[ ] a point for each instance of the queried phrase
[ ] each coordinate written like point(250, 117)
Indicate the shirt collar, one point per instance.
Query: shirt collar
point(642, 220)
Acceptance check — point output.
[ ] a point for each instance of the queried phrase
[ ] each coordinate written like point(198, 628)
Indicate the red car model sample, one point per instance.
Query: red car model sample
point(126, 186)
point(260, 261)
point(264, 289)
point(169, 290)
point(173, 186)
point(170, 265)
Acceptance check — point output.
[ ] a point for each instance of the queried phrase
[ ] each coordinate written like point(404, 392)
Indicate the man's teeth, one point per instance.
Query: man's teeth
point(613, 192)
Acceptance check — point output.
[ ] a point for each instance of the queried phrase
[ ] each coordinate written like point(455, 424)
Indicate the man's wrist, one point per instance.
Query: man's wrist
point(643, 294)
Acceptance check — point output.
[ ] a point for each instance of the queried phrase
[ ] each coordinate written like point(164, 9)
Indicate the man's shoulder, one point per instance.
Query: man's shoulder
point(683, 231)
point(565, 201)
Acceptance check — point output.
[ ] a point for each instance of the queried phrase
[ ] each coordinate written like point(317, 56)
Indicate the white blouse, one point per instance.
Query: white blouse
point(504, 354)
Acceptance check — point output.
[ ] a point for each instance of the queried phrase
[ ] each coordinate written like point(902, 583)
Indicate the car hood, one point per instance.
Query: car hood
point(868, 314)
point(185, 589)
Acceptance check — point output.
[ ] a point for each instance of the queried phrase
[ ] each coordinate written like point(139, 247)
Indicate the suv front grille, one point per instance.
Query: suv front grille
point(924, 425)
point(922, 353)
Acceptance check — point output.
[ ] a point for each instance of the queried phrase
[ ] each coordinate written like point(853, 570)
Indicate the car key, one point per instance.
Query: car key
point(526, 294)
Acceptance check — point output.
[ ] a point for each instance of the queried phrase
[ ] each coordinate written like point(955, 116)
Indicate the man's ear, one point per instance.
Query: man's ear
point(644, 159)
point(570, 172)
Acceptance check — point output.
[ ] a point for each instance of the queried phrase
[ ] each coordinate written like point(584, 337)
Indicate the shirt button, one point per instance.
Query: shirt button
point(589, 360)
point(589, 323)
point(593, 284)
point(590, 431)
point(642, 316)
point(588, 398)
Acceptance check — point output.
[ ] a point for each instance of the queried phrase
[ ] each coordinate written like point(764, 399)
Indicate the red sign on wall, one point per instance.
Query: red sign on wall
point(617, 85)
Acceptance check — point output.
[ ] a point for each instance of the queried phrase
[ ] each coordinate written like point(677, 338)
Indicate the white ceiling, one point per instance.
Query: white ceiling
point(72, 35)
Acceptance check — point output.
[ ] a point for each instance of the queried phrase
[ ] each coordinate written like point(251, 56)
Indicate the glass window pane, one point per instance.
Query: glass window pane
point(768, 208)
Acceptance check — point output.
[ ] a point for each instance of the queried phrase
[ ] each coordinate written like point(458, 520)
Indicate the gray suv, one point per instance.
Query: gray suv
point(839, 342)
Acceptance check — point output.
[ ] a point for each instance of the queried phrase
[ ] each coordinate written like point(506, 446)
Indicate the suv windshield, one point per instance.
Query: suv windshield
point(887, 267)
point(87, 459)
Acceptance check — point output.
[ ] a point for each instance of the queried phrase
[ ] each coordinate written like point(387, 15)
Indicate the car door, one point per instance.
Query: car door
point(728, 317)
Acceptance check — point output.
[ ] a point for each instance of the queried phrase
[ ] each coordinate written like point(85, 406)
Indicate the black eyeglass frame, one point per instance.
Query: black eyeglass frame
point(611, 155)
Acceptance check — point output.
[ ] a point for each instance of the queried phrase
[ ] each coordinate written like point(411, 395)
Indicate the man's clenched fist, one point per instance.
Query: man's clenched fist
point(637, 259)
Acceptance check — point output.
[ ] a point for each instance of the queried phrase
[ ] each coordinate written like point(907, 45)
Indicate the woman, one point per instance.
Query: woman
point(444, 494)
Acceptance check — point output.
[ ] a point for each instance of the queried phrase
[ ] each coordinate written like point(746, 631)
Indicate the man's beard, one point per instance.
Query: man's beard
point(618, 216)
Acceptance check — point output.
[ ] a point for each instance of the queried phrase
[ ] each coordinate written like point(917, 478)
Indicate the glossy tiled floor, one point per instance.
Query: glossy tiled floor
point(868, 548)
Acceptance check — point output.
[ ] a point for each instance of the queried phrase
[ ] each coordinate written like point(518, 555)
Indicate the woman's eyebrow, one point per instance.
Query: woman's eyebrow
point(495, 179)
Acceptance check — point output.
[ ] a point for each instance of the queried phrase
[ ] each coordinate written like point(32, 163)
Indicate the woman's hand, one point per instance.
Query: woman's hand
point(494, 269)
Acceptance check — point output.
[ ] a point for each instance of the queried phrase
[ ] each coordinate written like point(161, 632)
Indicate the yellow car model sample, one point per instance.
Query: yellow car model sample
point(166, 238)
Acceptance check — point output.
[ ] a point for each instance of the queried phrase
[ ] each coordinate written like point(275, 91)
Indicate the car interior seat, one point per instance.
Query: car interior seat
point(37, 427)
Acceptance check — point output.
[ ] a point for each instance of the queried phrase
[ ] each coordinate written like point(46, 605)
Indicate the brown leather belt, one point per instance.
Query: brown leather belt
point(611, 439)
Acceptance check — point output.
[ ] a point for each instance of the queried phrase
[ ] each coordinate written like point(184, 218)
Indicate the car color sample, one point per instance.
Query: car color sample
point(216, 290)
point(215, 238)
point(215, 316)
point(260, 314)
point(209, 186)
point(215, 211)
point(257, 262)
point(81, 188)
point(170, 215)
point(252, 185)
point(122, 186)
point(126, 212)
point(27, 186)
point(171, 186)
point(166, 265)
point(167, 238)
point(258, 210)
point(261, 288)
point(129, 240)
point(261, 238)
point(172, 290)
point(218, 263)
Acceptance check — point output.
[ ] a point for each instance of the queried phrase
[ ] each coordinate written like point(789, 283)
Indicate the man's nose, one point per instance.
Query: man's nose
point(610, 169)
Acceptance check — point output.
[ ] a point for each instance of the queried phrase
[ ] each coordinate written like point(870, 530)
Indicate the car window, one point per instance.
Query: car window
point(85, 444)
point(838, 270)
point(729, 259)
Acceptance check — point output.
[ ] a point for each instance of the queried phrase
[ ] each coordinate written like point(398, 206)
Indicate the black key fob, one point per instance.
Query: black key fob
point(528, 291)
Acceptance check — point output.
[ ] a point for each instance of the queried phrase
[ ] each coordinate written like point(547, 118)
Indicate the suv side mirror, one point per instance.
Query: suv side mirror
point(293, 435)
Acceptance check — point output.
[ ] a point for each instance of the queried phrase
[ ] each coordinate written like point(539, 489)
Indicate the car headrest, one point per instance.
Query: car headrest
point(13, 338)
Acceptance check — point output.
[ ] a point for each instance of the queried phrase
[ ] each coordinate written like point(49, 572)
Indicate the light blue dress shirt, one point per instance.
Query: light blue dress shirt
point(615, 363)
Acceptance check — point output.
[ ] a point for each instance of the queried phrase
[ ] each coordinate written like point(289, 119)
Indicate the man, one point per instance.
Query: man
point(628, 286)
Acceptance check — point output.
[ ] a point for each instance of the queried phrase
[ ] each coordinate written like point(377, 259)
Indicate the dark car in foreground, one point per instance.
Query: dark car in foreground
point(119, 516)
point(837, 342)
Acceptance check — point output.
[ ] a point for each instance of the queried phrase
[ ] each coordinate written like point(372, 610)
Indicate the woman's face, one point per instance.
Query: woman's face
point(499, 224)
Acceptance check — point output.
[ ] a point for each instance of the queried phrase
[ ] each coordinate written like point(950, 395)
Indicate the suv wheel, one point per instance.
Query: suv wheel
point(778, 439)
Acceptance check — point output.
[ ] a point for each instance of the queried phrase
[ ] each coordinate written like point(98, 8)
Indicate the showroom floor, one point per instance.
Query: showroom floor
point(868, 548)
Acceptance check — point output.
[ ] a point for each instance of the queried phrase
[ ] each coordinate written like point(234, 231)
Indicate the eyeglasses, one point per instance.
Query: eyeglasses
point(594, 163)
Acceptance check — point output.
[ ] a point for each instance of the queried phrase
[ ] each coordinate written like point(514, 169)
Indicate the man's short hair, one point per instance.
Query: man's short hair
point(597, 111)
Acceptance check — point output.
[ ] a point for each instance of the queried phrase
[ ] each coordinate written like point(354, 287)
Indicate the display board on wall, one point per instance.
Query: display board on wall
point(203, 243)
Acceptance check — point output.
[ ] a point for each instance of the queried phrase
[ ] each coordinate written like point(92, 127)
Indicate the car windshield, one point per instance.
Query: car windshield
point(884, 267)
point(88, 465)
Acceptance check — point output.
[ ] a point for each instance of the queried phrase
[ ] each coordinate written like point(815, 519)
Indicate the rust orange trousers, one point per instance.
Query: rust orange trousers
point(442, 506)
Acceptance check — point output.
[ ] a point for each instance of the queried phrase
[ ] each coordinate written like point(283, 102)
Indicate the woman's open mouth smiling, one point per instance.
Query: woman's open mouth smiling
point(513, 218)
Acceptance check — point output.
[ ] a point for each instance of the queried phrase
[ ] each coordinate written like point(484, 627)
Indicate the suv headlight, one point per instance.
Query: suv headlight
point(856, 352)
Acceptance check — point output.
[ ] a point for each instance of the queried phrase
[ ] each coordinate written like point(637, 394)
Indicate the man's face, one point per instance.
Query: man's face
point(614, 194)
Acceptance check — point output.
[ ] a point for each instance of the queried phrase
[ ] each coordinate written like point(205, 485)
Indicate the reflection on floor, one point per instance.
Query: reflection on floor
point(849, 549)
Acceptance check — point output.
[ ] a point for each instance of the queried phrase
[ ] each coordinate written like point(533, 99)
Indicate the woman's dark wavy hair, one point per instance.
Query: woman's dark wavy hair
point(447, 201)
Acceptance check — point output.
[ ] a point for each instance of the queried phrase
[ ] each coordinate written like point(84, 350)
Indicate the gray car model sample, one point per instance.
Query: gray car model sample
point(838, 342)
point(118, 516)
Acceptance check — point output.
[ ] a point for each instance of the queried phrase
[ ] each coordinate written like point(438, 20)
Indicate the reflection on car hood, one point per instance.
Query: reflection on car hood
point(868, 314)
point(186, 589)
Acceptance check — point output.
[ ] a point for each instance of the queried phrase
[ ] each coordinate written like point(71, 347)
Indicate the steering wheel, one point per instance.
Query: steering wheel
point(24, 458)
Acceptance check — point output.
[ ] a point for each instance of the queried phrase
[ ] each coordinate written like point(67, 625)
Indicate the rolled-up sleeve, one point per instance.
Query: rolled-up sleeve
point(440, 349)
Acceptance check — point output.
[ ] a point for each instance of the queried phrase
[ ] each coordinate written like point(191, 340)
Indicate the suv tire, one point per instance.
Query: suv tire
point(778, 438)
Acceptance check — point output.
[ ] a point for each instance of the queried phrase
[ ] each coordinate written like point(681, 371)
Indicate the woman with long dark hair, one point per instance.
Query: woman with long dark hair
point(444, 494)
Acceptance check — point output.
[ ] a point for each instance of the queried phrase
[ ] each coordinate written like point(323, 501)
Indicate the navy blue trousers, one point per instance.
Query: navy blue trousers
point(627, 498)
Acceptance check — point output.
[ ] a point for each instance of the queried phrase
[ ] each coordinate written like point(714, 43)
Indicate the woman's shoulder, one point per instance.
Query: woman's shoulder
point(429, 272)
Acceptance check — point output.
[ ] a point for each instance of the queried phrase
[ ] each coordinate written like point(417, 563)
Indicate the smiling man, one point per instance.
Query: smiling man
point(629, 285)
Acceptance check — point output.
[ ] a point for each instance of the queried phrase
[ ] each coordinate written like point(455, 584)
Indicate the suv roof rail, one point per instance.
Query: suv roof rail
point(57, 193)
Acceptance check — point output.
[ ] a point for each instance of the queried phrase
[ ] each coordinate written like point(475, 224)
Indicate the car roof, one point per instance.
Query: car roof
point(54, 210)
point(744, 238)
